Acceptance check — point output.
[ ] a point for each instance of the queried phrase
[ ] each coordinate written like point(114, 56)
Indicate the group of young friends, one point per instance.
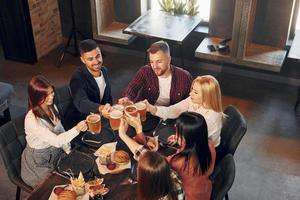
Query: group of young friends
point(169, 93)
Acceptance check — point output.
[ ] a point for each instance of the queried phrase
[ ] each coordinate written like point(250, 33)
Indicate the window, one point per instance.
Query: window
point(204, 7)
point(298, 19)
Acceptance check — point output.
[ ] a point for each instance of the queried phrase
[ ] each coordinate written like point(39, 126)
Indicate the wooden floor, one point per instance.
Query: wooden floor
point(268, 158)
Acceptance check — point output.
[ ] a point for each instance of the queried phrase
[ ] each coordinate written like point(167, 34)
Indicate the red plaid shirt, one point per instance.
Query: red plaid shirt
point(144, 85)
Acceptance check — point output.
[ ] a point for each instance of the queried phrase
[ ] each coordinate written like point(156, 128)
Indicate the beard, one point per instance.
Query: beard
point(159, 71)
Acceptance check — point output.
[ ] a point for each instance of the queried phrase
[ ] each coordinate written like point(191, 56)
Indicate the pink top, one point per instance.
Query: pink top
point(196, 187)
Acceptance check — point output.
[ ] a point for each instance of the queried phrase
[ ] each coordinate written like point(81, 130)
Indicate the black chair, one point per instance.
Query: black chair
point(232, 132)
point(63, 100)
point(222, 178)
point(12, 144)
point(6, 92)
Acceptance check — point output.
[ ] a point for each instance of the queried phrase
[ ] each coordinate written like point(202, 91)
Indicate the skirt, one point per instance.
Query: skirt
point(37, 164)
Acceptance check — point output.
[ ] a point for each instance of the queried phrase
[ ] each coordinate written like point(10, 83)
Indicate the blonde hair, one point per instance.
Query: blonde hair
point(211, 92)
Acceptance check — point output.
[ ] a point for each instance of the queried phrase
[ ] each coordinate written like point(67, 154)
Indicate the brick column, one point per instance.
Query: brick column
point(46, 25)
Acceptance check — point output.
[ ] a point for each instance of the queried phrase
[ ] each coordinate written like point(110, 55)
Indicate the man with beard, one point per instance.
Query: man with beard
point(160, 82)
point(90, 85)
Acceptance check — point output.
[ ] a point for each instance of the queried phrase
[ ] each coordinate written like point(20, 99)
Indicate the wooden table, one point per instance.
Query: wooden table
point(118, 184)
point(163, 25)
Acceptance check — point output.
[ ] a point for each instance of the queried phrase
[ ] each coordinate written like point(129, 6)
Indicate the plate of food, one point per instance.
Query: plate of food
point(78, 189)
point(116, 163)
point(66, 192)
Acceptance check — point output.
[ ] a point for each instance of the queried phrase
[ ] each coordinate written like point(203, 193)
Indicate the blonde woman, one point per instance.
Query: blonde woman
point(205, 98)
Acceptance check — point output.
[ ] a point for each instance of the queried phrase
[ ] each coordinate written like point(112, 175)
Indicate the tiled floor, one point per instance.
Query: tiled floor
point(268, 158)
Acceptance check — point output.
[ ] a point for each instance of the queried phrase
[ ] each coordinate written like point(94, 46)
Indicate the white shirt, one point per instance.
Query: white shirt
point(213, 119)
point(101, 84)
point(164, 91)
point(40, 136)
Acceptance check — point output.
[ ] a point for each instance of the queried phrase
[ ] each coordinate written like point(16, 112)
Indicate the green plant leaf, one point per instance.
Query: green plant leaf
point(180, 7)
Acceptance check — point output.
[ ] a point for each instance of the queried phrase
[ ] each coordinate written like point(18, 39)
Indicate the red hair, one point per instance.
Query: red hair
point(37, 93)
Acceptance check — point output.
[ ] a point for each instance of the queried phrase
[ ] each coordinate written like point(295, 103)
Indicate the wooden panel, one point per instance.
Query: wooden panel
point(239, 29)
point(113, 33)
point(128, 15)
point(272, 22)
point(203, 52)
point(105, 27)
point(265, 55)
point(107, 13)
point(221, 18)
point(257, 56)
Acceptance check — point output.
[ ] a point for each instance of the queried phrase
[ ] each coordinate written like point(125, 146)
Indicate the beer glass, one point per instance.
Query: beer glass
point(118, 107)
point(115, 119)
point(142, 109)
point(131, 110)
point(94, 123)
point(127, 103)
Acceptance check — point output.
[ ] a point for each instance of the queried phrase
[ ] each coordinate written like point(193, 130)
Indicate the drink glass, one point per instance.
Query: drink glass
point(118, 107)
point(142, 109)
point(131, 110)
point(94, 123)
point(127, 103)
point(115, 119)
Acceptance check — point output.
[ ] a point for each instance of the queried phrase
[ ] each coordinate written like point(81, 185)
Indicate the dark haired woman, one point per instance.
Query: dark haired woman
point(156, 181)
point(46, 138)
point(195, 159)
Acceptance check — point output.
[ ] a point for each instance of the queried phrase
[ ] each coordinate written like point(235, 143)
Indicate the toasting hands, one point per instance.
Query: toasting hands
point(81, 126)
point(150, 108)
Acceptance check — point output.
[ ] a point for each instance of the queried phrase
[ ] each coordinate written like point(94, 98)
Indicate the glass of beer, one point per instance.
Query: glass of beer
point(142, 108)
point(115, 119)
point(94, 123)
point(127, 103)
point(131, 110)
point(118, 107)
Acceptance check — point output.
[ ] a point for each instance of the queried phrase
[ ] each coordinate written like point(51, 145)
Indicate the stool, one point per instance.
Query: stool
point(6, 91)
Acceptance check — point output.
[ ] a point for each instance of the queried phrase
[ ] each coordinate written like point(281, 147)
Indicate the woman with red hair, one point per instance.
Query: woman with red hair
point(46, 138)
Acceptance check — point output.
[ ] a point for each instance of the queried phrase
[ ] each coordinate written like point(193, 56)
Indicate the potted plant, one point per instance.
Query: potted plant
point(179, 7)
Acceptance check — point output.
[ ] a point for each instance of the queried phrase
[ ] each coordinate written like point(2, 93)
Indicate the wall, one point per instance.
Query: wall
point(125, 11)
point(46, 25)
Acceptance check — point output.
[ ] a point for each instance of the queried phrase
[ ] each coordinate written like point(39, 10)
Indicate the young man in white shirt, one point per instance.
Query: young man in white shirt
point(159, 82)
point(90, 85)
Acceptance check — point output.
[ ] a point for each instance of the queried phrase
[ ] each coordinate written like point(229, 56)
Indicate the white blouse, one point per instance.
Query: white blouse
point(40, 134)
point(213, 119)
